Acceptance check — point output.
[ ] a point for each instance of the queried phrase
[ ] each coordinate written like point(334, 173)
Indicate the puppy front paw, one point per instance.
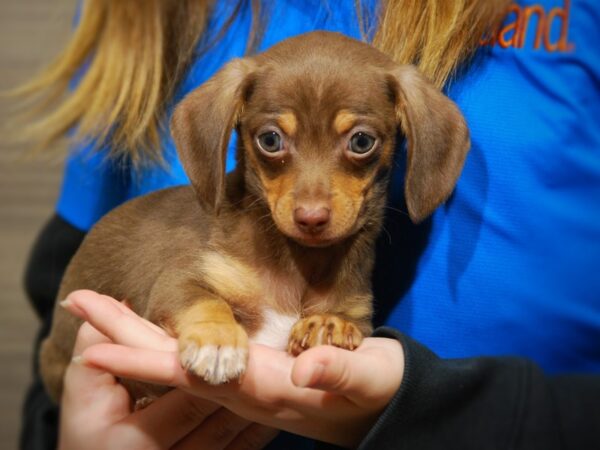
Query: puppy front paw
point(323, 329)
point(216, 352)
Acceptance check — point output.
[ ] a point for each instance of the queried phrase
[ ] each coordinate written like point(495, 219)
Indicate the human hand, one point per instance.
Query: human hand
point(326, 393)
point(96, 411)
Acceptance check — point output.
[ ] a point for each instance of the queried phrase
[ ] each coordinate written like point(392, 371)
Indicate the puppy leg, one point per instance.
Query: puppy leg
point(53, 365)
point(56, 351)
point(323, 329)
point(212, 344)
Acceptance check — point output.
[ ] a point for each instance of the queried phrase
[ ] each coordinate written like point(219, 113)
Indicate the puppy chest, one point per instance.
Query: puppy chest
point(266, 301)
point(275, 329)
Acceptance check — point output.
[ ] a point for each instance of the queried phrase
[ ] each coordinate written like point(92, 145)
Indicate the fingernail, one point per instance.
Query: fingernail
point(79, 360)
point(72, 308)
point(312, 377)
point(66, 303)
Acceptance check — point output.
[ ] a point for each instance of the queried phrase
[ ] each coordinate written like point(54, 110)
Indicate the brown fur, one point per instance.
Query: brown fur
point(216, 262)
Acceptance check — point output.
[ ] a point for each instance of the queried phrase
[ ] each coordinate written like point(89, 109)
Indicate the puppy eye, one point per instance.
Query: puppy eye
point(270, 142)
point(361, 143)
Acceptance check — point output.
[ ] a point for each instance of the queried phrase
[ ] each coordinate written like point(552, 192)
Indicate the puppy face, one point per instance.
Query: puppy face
point(317, 115)
point(318, 146)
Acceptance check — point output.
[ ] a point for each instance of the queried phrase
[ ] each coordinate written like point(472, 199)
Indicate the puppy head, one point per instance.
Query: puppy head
point(318, 116)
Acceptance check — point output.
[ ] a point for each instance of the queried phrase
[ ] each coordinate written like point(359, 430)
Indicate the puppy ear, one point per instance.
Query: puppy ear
point(438, 141)
point(201, 127)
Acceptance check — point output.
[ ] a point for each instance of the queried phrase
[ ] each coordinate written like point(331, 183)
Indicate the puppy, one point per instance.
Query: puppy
point(280, 251)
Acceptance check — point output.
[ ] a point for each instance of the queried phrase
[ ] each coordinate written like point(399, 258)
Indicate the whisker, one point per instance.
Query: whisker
point(254, 203)
point(401, 211)
point(387, 233)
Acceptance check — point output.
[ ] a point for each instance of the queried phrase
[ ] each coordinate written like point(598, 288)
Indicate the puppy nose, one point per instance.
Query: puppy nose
point(312, 220)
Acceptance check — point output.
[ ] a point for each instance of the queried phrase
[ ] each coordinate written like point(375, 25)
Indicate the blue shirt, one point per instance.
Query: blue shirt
point(511, 263)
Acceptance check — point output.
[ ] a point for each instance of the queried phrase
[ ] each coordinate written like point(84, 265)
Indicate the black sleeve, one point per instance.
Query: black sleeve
point(485, 403)
point(55, 246)
point(53, 249)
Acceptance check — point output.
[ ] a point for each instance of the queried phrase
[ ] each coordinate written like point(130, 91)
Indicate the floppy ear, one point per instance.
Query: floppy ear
point(438, 141)
point(201, 128)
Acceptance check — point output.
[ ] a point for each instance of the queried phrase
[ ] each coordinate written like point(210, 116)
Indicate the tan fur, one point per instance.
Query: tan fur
point(288, 123)
point(323, 329)
point(344, 121)
point(360, 308)
point(229, 277)
point(231, 258)
point(209, 323)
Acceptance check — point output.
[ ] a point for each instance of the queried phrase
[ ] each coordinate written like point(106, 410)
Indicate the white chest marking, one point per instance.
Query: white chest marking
point(275, 331)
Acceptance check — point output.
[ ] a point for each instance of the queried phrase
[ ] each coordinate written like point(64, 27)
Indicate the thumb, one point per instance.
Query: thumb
point(368, 376)
point(335, 370)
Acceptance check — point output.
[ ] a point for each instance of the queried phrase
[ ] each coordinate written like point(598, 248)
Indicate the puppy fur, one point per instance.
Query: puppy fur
point(280, 251)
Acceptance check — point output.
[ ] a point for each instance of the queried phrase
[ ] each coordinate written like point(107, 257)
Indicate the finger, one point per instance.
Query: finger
point(79, 376)
point(215, 433)
point(164, 368)
point(125, 307)
point(255, 436)
point(87, 336)
point(74, 299)
point(117, 322)
point(351, 373)
point(170, 418)
point(151, 366)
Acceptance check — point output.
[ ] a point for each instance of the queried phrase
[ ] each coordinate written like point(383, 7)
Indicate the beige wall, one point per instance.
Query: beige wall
point(31, 32)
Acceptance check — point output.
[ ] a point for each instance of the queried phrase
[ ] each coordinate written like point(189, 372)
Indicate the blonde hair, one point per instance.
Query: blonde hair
point(436, 35)
point(131, 55)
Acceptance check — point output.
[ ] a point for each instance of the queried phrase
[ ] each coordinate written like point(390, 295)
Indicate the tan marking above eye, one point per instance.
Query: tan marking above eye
point(344, 121)
point(288, 123)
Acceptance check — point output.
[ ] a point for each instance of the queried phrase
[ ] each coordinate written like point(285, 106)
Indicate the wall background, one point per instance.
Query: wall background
point(31, 33)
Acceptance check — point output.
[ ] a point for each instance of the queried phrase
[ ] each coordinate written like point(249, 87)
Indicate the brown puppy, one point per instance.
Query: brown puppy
point(281, 250)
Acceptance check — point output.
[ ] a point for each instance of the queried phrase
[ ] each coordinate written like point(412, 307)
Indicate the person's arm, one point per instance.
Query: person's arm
point(382, 395)
point(485, 403)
